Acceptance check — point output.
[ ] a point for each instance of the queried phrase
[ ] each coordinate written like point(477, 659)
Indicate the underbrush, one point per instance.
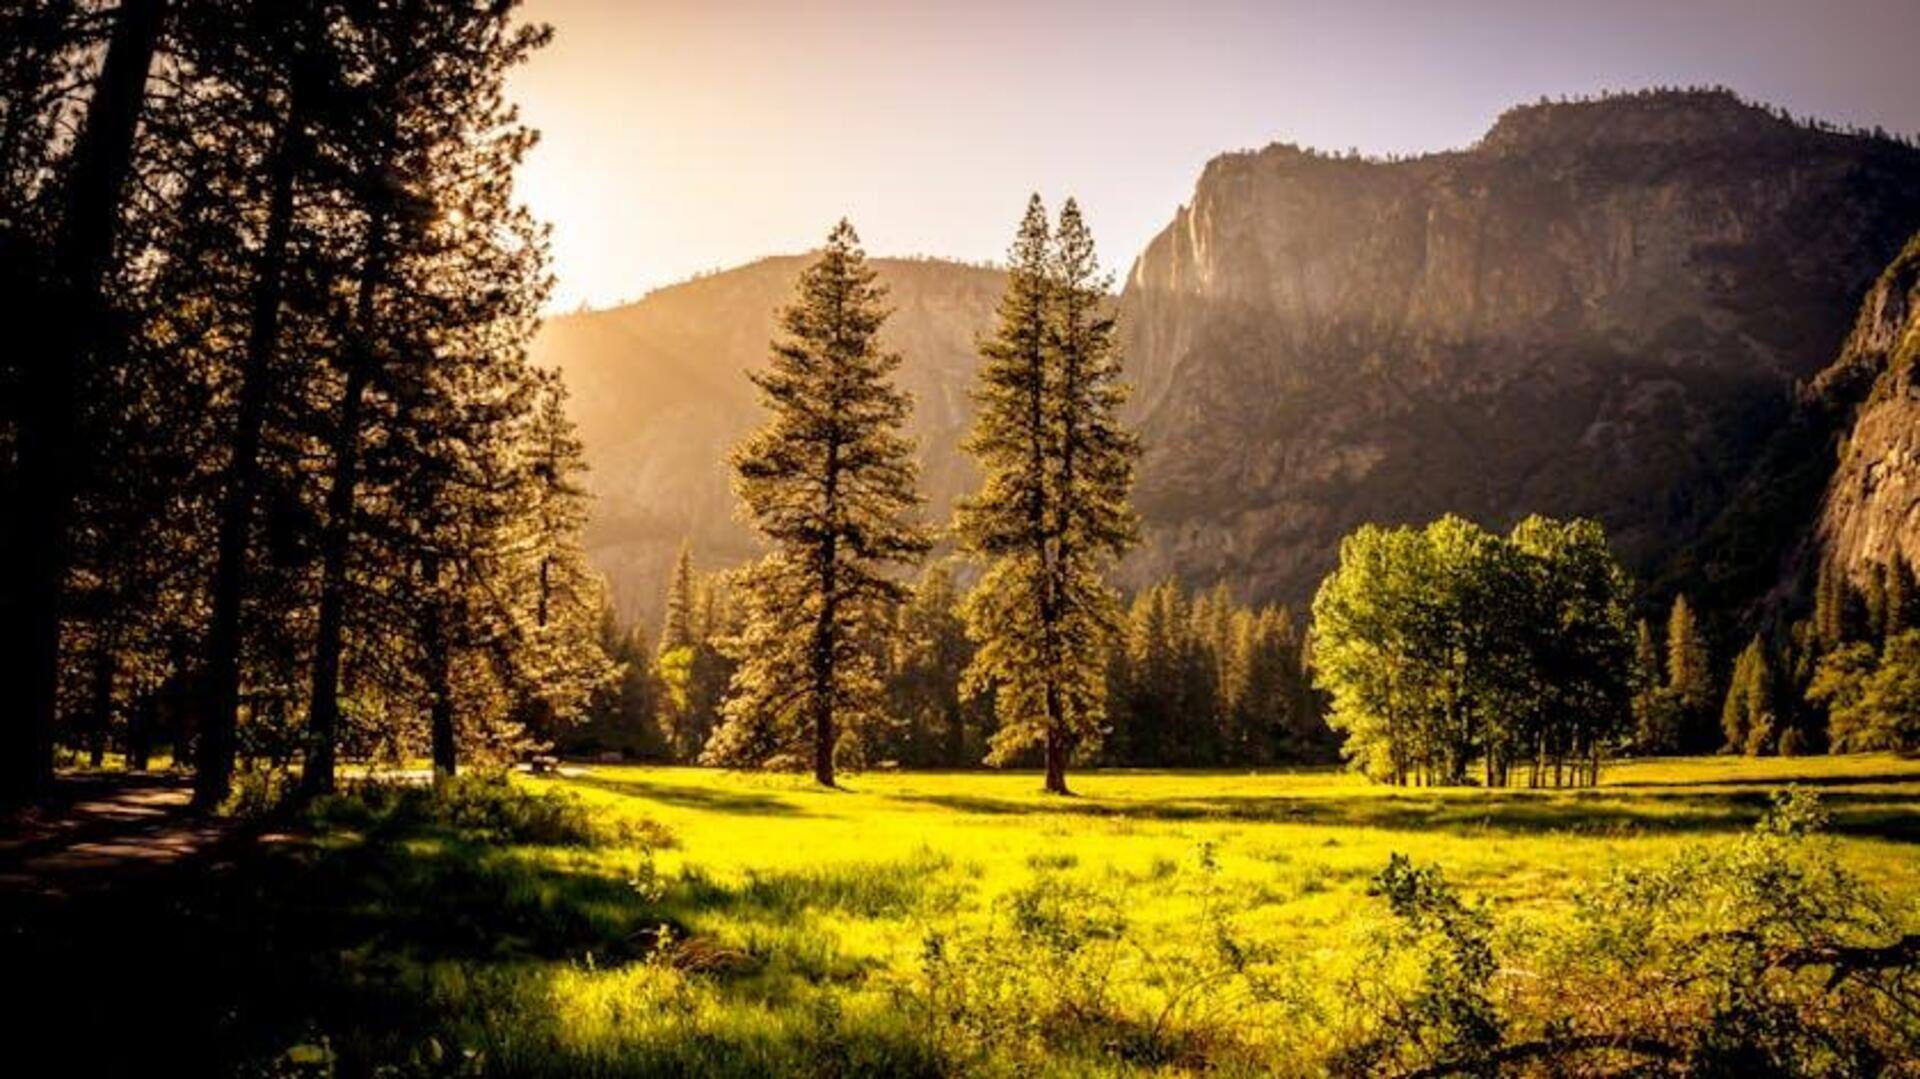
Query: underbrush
point(485, 806)
point(1756, 956)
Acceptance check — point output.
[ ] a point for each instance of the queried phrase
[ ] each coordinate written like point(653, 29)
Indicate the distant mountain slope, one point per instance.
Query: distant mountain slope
point(1602, 308)
point(660, 392)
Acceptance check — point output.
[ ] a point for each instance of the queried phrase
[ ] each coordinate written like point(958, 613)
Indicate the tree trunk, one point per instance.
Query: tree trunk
point(46, 464)
point(446, 761)
point(100, 717)
point(323, 716)
point(1056, 761)
point(140, 724)
point(215, 772)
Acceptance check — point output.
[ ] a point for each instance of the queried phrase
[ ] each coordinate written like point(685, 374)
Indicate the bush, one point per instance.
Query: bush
point(1761, 956)
point(487, 806)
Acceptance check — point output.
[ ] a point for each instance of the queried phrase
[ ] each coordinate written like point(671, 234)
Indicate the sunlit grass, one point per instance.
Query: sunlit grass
point(761, 925)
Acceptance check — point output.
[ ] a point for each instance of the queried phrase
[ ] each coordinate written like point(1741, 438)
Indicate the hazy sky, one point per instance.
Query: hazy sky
point(687, 135)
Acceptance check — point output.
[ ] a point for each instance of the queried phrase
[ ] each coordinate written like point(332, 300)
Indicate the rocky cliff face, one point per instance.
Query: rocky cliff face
point(1601, 309)
point(1871, 507)
point(660, 393)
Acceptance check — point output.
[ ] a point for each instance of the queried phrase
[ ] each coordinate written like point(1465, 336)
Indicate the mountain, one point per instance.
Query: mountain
point(660, 394)
point(1870, 509)
point(1603, 308)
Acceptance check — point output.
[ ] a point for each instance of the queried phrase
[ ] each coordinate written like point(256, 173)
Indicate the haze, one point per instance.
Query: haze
point(689, 135)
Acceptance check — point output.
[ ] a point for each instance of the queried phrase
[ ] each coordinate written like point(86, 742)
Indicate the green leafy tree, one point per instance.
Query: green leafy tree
point(1872, 702)
point(829, 482)
point(1052, 513)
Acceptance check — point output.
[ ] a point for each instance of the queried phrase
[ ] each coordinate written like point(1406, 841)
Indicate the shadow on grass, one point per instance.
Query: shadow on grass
point(406, 945)
point(744, 803)
point(1874, 815)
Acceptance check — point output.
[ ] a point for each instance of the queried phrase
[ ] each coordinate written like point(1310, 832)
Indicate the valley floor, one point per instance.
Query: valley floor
point(717, 922)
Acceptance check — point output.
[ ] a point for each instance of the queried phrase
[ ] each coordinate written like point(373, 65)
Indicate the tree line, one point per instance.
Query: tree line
point(1192, 680)
point(281, 485)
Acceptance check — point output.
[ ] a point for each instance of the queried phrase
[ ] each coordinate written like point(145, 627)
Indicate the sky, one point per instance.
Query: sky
point(682, 136)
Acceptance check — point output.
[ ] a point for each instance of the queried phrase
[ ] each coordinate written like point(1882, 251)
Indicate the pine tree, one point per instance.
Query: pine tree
point(65, 333)
point(1649, 714)
point(1899, 592)
point(1689, 680)
point(1052, 512)
point(439, 251)
point(676, 631)
point(1748, 716)
point(829, 482)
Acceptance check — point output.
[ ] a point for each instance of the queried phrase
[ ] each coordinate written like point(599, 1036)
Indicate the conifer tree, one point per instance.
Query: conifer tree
point(676, 630)
point(1689, 680)
point(829, 482)
point(1648, 711)
point(1899, 596)
point(1748, 718)
point(1052, 513)
point(65, 333)
point(439, 250)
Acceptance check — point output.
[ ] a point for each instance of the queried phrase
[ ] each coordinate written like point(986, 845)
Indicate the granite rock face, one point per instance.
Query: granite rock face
point(1601, 309)
point(1871, 507)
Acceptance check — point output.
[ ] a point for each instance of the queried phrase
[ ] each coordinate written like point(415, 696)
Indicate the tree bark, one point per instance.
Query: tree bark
point(323, 716)
point(446, 760)
point(214, 774)
point(824, 734)
point(70, 321)
point(100, 711)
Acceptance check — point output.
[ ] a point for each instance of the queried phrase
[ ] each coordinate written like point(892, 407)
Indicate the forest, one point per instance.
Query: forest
point(312, 690)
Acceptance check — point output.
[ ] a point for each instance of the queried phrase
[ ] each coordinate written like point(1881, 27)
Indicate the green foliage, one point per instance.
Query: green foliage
point(1872, 700)
point(1449, 644)
point(1760, 955)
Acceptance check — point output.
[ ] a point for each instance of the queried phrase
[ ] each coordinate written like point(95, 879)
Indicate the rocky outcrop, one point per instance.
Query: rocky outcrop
point(1601, 309)
point(1871, 508)
point(660, 394)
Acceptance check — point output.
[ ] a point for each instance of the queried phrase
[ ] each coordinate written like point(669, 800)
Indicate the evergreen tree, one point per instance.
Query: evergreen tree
point(442, 261)
point(676, 631)
point(66, 330)
point(1052, 513)
point(1748, 718)
point(1689, 680)
point(1651, 713)
point(1898, 590)
point(929, 656)
point(829, 482)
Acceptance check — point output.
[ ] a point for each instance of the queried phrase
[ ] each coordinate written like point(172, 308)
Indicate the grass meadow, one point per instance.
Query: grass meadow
point(685, 921)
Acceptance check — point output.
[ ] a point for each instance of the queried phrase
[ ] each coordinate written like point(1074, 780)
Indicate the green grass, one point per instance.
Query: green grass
point(831, 896)
point(787, 929)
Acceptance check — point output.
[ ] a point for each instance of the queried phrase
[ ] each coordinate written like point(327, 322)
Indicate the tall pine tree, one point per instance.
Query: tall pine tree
point(1052, 513)
point(829, 481)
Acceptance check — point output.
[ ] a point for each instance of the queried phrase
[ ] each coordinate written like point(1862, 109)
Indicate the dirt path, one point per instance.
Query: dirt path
point(101, 830)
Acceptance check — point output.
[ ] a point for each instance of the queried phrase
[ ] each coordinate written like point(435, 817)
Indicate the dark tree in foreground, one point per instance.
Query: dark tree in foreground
point(64, 332)
point(829, 481)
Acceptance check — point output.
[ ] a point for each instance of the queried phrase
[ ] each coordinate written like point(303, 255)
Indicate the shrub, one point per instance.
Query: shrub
point(488, 806)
